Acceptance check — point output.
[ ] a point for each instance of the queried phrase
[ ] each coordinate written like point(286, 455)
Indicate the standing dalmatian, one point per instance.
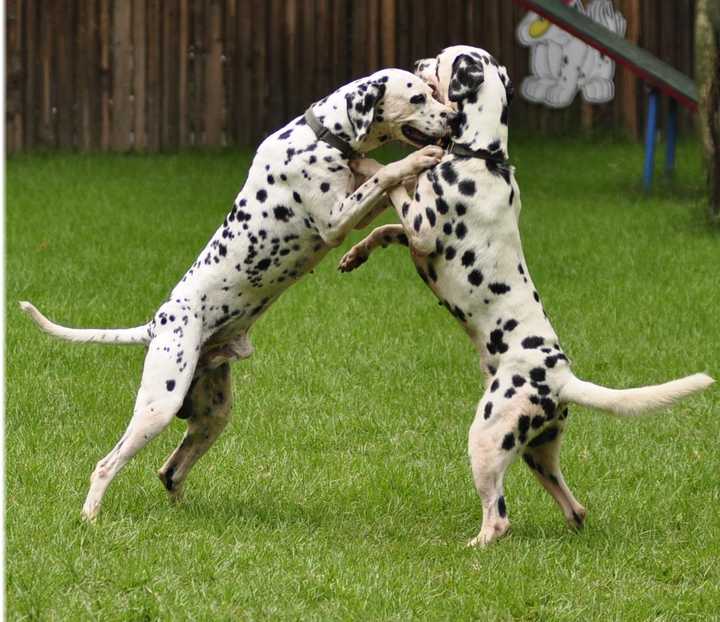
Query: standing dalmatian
point(462, 228)
point(300, 200)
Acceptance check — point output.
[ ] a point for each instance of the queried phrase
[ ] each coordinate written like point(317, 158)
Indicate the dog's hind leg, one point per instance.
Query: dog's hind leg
point(492, 448)
point(167, 373)
point(542, 455)
point(207, 408)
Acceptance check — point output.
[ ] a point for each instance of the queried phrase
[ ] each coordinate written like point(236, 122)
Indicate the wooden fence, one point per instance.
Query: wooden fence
point(150, 75)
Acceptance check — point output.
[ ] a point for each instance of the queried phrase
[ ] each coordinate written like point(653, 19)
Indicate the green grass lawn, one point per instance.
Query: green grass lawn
point(341, 489)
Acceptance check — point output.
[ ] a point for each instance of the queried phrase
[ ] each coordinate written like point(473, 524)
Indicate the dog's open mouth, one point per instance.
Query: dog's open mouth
point(417, 137)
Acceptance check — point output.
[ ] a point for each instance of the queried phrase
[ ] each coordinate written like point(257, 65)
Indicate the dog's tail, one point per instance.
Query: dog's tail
point(631, 402)
point(138, 334)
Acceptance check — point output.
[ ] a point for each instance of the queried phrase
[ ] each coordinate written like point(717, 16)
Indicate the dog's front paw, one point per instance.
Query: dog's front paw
point(423, 159)
point(354, 258)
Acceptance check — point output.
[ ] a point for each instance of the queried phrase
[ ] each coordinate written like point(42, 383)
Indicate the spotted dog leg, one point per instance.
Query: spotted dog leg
point(381, 236)
point(363, 170)
point(354, 208)
point(167, 374)
point(542, 455)
point(207, 408)
point(493, 446)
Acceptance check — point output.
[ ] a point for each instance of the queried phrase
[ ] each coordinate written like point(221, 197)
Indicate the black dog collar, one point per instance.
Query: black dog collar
point(483, 154)
point(324, 134)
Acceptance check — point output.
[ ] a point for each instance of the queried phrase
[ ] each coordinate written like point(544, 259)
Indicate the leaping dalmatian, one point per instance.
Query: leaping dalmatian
point(300, 200)
point(462, 229)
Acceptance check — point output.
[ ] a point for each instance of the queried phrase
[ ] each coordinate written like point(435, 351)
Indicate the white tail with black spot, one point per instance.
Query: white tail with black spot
point(631, 402)
point(138, 334)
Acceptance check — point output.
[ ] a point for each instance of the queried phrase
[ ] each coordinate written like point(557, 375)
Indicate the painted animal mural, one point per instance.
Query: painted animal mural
point(562, 64)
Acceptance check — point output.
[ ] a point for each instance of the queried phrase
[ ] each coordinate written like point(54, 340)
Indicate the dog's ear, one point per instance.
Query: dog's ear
point(466, 77)
point(507, 83)
point(361, 104)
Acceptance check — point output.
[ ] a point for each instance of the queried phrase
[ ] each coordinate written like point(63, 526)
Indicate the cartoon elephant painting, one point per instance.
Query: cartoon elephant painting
point(562, 64)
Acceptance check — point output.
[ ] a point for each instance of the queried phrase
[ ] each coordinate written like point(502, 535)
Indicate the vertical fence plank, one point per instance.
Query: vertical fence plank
point(65, 43)
point(244, 75)
point(153, 92)
point(387, 17)
point(339, 51)
point(292, 68)
point(198, 72)
point(309, 89)
point(182, 90)
point(322, 43)
point(275, 27)
point(357, 50)
point(140, 37)
point(170, 127)
point(29, 63)
point(105, 83)
point(121, 76)
point(372, 29)
point(230, 58)
point(259, 67)
point(84, 59)
point(213, 76)
point(13, 69)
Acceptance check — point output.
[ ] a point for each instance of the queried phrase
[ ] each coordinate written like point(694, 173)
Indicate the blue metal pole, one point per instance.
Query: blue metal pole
point(671, 138)
point(650, 133)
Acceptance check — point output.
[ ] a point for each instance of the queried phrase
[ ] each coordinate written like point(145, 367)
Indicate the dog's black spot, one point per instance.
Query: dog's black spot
point(282, 213)
point(496, 344)
point(537, 421)
point(510, 325)
point(468, 259)
point(467, 187)
point(502, 510)
point(523, 427)
point(296, 197)
point(261, 195)
point(169, 385)
point(450, 253)
point(532, 342)
point(418, 99)
point(476, 278)
point(499, 288)
point(508, 441)
point(509, 393)
point(417, 223)
point(448, 172)
point(460, 230)
point(548, 406)
point(537, 374)
point(488, 410)
point(518, 380)
point(495, 385)
point(441, 205)
point(324, 186)
point(447, 228)
point(430, 216)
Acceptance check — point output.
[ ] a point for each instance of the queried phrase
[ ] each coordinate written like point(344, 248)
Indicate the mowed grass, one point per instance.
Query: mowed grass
point(341, 489)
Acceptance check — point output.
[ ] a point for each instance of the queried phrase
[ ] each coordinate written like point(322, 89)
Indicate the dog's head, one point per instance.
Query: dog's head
point(393, 104)
point(467, 75)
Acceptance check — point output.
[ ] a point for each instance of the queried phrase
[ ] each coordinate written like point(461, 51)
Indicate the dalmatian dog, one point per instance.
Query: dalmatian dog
point(462, 229)
point(300, 200)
